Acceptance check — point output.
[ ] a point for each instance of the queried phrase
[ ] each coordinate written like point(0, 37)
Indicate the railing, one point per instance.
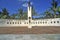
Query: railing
point(40, 22)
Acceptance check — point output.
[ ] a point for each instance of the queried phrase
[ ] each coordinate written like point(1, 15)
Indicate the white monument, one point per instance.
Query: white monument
point(29, 14)
point(50, 22)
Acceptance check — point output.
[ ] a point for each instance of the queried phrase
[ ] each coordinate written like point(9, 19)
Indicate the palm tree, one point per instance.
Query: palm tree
point(25, 16)
point(33, 11)
point(13, 16)
point(20, 13)
point(54, 7)
point(4, 14)
point(58, 10)
point(48, 14)
point(0, 14)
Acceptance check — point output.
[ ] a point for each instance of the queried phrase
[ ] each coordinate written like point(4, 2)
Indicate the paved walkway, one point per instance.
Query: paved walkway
point(29, 37)
point(34, 30)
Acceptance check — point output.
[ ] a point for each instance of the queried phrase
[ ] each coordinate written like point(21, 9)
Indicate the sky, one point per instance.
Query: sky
point(13, 5)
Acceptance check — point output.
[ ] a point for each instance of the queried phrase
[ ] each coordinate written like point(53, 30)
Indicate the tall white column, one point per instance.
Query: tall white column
point(29, 12)
point(29, 15)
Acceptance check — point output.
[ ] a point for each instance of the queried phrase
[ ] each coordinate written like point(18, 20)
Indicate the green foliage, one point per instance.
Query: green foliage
point(13, 16)
point(48, 14)
point(4, 14)
point(20, 13)
point(33, 11)
point(25, 16)
point(58, 10)
point(0, 14)
point(54, 9)
point(4, 17)
point(54, 4)
point(4, 11)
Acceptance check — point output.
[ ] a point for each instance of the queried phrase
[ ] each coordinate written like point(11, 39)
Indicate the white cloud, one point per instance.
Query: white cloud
point(31, 3)
point(25, 5)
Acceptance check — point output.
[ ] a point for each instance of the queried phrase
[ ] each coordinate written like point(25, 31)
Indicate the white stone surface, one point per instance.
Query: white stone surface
point(29, 11)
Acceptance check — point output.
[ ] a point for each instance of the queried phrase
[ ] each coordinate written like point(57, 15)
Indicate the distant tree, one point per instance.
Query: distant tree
point(25, 16)
point(48, 14)
point(58, 10)
point(54, 7)
point(5, 14)
point(13, 16)
point(33, 11)
point(0, 14)
point(20, 13)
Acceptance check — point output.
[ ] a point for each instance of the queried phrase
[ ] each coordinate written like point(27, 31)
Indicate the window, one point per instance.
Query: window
point(51, 22)
point(29, 17)
point(38, 22)
point(43, 22)
point(13, 22)
point(7, 22)
point(54, 22)
point(57, 21)
point(20, 22)
point(29, 21)
point(10, 22)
